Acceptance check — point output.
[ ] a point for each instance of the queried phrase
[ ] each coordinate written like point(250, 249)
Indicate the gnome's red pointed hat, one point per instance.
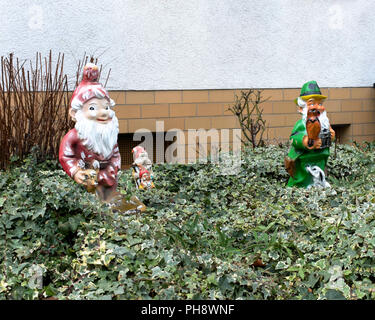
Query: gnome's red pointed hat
point(89, 88)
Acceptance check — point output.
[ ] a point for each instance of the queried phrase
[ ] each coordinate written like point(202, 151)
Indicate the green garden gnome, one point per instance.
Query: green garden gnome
point(310, 140)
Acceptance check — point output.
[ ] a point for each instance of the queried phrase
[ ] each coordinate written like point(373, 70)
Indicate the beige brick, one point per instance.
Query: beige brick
point(275, 120)
point(225, 122)
point(238, 93)
point(123, 126)
point(273, 94)
point(277, 135)
point(291, 94)
point(351, 105)
point(332, 106)
point(211, 137)
point(210, 109)
point(127, 111)
point(140, 97)
point(369, 105)
point(168, 96)
point(346, 140)
point(155, 110)
point(363, 117)
point(363, 93)
point(325, 92)
point(291, 119)
point(357, 129)
point(117, 96)
point(285, 107)
point(198, 123)
point(137, 124)
point(266, 106)
point(269, 133)
point(340, 118)
point(183, 110)
point(194, 96)
point(368, 129)
point(175, 123)
point(339, 93)
point(221, 96)
point(226, 111)
point(283, 132)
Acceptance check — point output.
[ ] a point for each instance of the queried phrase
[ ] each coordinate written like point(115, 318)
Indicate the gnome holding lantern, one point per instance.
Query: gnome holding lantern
point(89, 152)
point(310, 140)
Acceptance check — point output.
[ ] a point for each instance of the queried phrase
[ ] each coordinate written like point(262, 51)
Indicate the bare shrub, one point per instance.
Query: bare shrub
point(250, 116)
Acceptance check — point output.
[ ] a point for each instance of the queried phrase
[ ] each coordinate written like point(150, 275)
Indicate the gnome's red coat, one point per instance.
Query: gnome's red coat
point(72, 151)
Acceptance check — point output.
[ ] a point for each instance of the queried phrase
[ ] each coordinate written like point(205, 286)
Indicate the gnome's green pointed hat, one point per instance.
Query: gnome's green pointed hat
point(310, 90)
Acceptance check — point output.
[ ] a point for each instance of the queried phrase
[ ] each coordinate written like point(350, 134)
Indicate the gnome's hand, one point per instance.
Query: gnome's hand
point(316, 144)
point(333, 134)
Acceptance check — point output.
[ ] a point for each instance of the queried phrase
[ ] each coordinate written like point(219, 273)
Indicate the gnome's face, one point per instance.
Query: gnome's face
point(97, 110)
point(310, 107)
point(315, 109)
point(316, 104)
point(97, 125)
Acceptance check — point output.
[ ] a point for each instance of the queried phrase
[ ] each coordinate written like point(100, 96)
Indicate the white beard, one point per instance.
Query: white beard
point(324, 121)
point(143, 160)
point(97, 137)
point(304, 114)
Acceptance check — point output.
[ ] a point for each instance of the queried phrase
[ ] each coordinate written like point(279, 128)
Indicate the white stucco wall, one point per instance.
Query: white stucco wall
point(202, 44)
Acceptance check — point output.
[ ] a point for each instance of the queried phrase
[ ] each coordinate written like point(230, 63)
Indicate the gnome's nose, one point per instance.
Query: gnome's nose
point(103, 116)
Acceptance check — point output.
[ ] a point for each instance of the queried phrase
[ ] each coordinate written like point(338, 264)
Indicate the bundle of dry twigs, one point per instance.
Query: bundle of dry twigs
point(34, 106)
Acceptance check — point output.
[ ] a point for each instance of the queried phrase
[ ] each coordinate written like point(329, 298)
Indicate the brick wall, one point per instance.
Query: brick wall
point(352, 108)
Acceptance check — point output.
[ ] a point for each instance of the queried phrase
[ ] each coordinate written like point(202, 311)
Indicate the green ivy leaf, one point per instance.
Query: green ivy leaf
point(334, 295)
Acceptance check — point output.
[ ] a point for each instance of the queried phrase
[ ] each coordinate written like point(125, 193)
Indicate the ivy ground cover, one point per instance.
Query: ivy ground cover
point(205, 235)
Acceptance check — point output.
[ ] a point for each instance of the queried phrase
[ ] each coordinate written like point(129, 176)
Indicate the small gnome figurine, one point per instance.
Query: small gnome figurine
point(142, 168)
point(89, 153)
point(146, 182)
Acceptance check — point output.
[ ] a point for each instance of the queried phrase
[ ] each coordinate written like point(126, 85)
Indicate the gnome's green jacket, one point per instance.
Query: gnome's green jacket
point(303, 157)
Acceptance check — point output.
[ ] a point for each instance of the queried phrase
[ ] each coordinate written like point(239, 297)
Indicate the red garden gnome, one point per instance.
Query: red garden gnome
point(90, 148)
